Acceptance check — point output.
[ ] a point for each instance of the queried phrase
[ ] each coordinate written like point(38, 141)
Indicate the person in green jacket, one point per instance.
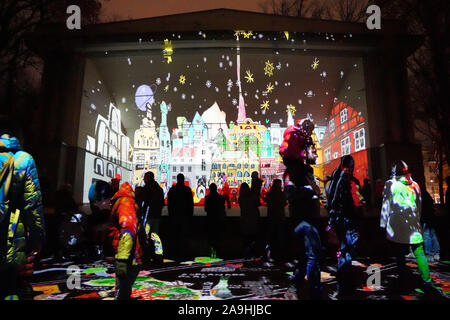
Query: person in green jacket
point(22, 231)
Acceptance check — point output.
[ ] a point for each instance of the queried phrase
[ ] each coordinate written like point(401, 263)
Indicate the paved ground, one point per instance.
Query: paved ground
point(215, 279)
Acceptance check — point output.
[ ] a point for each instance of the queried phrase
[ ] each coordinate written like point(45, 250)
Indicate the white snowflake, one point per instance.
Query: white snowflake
point(228, 58)
point(217, 89)
point(208, 84)
point(276, 83)
point(192, 97)
point(281, 120)
point(183, 96)
point(256, 96)
point(151, 61)
point(230, 63)
point(342, 74)
point(204, 59)
point(126, 109)
point(279, 66)
point(124, 100)
point(348, 88)
point(220, 64)
point(234, 102)
point(93, 107)
point(229, 83)
point(158, 81)
point(309, 94)
point(99, 82)
point(229, 89)
point(256, 112)
point(175, 89)
point(300, 101)
point(260, 36)
point(168, 77)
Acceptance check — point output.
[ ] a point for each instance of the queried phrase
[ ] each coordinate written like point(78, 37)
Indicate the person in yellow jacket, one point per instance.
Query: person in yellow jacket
point(22, 232)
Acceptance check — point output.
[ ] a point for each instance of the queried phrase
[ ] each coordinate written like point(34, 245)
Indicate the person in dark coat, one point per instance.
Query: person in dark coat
point(366, 192)
point(151, 201)
point(249, 202)
point(215, 214)
point(429, 223)
point(180, 204)
point(276, 202)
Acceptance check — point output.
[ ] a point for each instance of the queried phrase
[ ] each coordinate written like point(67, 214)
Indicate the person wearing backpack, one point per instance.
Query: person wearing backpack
point(126, 244)
point(22, 232)
point(345, 204)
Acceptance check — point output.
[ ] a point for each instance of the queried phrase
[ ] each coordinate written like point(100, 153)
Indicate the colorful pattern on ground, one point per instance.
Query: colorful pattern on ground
point(206, 278)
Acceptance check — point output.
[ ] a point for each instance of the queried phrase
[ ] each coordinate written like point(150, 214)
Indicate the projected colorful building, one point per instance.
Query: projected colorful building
point(346, 134)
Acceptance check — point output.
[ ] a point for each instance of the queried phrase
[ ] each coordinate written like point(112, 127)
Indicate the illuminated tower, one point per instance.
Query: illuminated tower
point(241, 114)
point(165, 148)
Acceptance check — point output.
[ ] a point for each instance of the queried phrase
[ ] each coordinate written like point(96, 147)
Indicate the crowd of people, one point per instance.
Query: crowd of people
point(125, 223)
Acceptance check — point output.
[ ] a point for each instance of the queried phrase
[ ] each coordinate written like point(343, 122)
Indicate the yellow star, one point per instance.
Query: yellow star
point(168, 50)
point(315, 63)
point(249, 77)
point(237, 33)
point(247, 34)
point(286, 34)
point(268, 69)
point(291, 109)
point(265, 105)
point(182, 79)
point(269, 87)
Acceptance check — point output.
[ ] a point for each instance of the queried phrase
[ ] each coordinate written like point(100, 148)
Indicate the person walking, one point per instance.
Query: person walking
point(429, 224)
point(152, 201)
point(400, 217)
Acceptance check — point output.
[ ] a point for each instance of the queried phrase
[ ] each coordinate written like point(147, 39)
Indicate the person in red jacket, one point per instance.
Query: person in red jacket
point(226, 194)
point(123, 232)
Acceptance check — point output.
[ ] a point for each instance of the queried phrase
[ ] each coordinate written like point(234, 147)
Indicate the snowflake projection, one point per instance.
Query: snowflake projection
point(300, 101)
point(245, 93)
point(208, 84)
point(204, 59)
point(326, 93)
point(129, 61)
point(158, 81)
point(342, 74)
point(183, 96)
point(290, 108)
point(229, 83)
point(166, 88)
point(168, 77)
point(126, 109)
point(276, 101)
point(228, 58)
point(309, 94)
point(192, 97)
point(230, 63)
point(269, 87)
point(99, 82)
point(234, 102)
point(287, 65)
point(217, 89)
point(220, 64)
point(276, 83)
point(268, 69)
point(200, 106)
point(124, 100)
point(256, 96)
point(348, 88)
point(238, 83)
point(260, 36)
point(315, 64)
point(249, 77)
point(279, 66)
point(175, 89)
point(256, 112)
point(281, 120)
point(265, 105)
point(93, 107)
point(323, 74)
point(229, 89)
point(182, 79)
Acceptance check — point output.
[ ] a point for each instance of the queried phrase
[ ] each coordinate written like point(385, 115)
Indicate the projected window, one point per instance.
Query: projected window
point(360, 140)
point(343, 115)
point(345, 146)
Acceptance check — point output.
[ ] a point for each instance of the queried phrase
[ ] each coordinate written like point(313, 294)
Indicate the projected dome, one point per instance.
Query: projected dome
point(145, 95)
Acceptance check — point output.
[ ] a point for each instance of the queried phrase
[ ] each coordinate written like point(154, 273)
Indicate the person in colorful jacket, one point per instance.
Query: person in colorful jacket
point(22, 232)
point(346, 204)
point(400, 217)
point(123, 231)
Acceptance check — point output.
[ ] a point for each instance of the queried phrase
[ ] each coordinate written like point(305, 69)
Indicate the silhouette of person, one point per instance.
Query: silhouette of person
point(215, 214)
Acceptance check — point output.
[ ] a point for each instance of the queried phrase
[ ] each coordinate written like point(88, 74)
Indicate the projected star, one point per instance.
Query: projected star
point(291, 109)
point(249, 77)
point(270, 87)
point(268, 69)
point(265, 105)
point(182, 79)
point(166, 88)
point(286, 34)
point(315, 64)
point(247, 34)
